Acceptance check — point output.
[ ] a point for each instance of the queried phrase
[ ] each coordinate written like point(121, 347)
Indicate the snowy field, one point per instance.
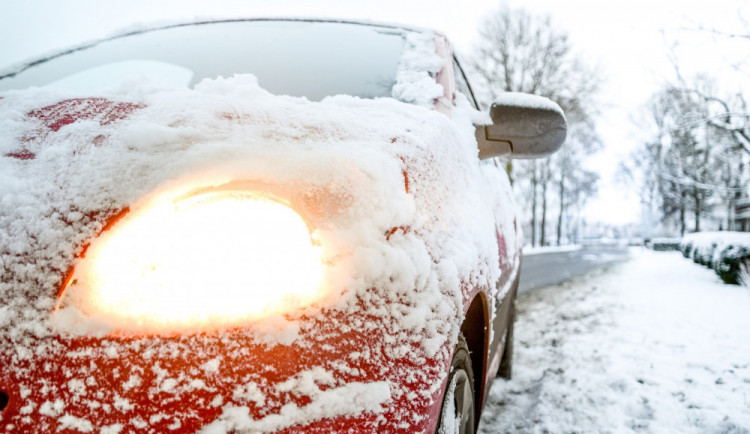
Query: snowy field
point(657, 344)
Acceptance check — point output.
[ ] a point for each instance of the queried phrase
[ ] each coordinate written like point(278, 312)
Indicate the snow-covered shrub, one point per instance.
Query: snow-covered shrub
point(722, 251)
point(703, 253)
point(732, 262)
point(686, 247)
point(664, 244)
point(745, 273)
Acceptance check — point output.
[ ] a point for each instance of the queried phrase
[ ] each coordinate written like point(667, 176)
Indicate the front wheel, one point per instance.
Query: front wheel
point(458, 412)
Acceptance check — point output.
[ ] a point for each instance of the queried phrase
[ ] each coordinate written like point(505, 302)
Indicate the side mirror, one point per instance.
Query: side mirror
point(524, 126)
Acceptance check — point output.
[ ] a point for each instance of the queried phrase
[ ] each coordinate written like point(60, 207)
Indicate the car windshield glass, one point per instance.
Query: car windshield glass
point(299, 58)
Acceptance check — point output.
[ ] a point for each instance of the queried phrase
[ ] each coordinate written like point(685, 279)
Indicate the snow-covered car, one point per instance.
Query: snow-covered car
point(256, 226)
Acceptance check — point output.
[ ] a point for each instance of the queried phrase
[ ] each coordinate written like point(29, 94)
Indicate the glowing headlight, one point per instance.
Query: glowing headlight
point(212, 260)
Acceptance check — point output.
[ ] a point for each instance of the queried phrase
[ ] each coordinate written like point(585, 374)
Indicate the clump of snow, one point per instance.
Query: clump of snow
point(69, 422)
point(52, 408)
point(115, 428)
point(348, 400)
point(249, 392)
point(5, 316)
point(519, 99)
point(451, 424)
point(655, 345)
point(212, 366)
point(415, 76)
point(123, 404)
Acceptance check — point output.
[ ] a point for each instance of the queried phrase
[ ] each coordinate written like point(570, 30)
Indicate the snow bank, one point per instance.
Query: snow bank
point(528, 250)
point(656, 345)
point(716, 240)
point(397, 199)
point(706, 247)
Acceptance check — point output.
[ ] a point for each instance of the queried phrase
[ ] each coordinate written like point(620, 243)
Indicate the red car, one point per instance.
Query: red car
point(257, 226)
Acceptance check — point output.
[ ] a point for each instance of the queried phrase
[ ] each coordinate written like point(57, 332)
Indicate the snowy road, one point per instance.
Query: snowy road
point(656, 344)
point(544, 269)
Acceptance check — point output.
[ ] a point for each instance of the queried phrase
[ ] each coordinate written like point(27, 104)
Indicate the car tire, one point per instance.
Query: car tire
point(506, 363)
point(458, 411)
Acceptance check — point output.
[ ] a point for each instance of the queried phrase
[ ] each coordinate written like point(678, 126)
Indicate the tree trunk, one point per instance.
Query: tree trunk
point(682, 214)
point(534, 182)
point(562, 208)
point(544, 213)
point(698, 210)
point(730, 216)
point(730, 197)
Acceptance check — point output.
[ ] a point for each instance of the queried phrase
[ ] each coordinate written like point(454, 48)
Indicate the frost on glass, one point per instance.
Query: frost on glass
point(298, 58)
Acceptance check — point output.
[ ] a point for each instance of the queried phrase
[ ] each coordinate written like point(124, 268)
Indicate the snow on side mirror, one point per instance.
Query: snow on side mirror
point(524, 126)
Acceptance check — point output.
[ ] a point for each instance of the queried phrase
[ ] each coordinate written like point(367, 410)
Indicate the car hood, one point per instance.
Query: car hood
point(394, 191)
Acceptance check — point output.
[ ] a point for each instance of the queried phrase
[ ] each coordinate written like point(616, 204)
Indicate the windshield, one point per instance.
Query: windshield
point(298, 58)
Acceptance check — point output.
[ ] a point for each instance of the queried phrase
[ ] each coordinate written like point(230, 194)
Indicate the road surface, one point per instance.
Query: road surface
point(543, 269)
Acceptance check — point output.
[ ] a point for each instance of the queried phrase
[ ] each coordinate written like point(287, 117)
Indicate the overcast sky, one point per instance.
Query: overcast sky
point(629, 40)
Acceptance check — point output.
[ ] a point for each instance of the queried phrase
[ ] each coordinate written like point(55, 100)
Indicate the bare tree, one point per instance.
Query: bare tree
point(692, 165)
point(523, 52)
point(545, 175)
point(727, 112)
point(695, 168)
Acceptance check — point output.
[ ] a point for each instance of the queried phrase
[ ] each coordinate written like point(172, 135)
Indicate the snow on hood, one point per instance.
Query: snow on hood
point(404, 219)
point(356, 151)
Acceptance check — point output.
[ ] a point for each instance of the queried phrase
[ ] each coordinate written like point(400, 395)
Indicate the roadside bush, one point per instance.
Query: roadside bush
point(745, 273)
point(665, 244)
point(686, 247)
point(727, 252)
point(703, 254)
point(707, 255)
point(732, 262)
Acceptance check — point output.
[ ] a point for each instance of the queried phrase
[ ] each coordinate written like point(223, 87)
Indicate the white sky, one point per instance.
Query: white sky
point(628, 39)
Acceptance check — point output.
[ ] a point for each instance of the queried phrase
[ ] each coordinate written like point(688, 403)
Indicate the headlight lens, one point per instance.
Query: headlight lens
point(213, 260)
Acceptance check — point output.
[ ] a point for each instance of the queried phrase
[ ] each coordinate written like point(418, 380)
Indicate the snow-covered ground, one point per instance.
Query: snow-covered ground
point(657, 344)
